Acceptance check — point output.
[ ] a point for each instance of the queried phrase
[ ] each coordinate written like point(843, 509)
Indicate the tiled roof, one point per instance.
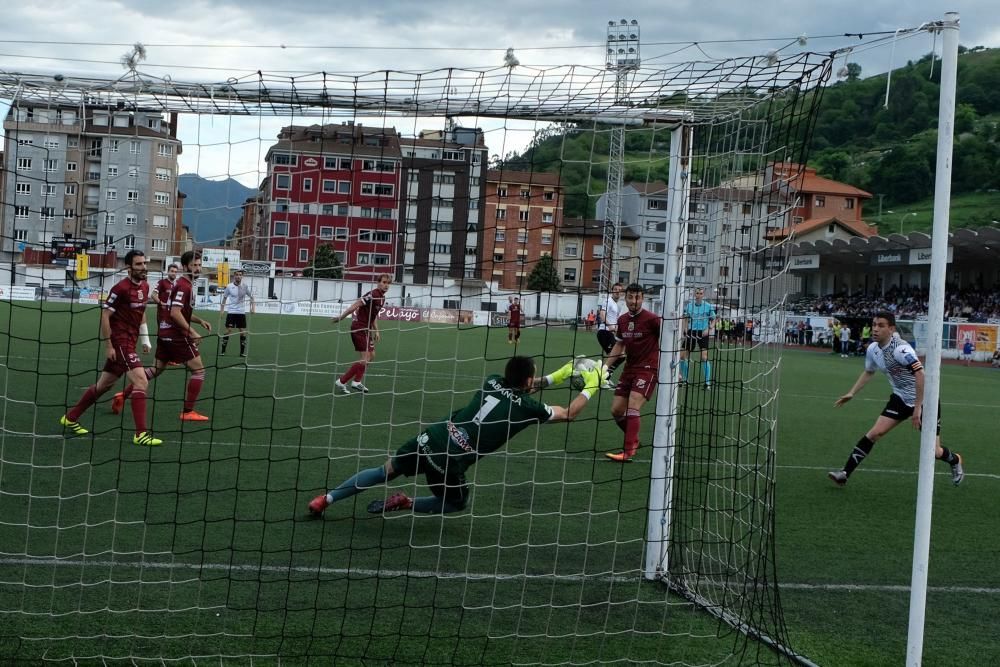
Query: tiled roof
point(522, 177)
point(855, 227)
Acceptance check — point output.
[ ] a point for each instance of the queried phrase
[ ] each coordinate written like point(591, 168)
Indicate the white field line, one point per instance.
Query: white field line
point(428, 574)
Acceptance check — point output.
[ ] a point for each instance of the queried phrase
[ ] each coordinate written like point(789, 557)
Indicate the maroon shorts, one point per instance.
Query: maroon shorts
point(125, 359)
point(176, 350)
point(363, 342)
point(639, 380)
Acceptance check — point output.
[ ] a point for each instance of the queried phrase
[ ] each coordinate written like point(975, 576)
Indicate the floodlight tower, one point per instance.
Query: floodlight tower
point(623, 60)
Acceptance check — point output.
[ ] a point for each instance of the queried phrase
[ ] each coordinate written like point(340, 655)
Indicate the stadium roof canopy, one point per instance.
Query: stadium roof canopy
point(970, 245)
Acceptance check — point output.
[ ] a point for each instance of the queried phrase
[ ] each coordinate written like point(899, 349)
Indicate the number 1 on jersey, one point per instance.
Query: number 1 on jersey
point(489, 402)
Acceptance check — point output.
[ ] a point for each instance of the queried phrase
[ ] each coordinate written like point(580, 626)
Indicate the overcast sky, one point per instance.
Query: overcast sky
point(212, 40)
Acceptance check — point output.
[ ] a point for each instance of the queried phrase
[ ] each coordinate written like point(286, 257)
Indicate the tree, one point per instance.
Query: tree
point(853, 71)
point(544, 277)
point(325, 264)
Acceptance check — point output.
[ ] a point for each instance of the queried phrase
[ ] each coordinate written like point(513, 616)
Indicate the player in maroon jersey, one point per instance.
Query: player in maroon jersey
point(514, 321)
point(177, 341)
point(638, 339)
point(161, 297)
point(364, 333)
point(123, 318)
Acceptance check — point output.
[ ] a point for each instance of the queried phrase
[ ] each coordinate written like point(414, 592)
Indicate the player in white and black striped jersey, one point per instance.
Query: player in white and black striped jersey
point(893, 356)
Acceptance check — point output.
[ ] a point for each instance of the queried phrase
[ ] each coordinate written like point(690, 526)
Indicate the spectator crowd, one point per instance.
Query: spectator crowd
point(976, 305)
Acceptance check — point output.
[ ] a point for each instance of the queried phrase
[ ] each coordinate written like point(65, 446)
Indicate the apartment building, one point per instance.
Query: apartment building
point(107, 175)
point(524, 213)
point(580, 254)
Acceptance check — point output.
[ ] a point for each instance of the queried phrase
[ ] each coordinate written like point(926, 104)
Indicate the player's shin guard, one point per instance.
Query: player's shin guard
point(632, 422)
point(365, 479)
point(861, 450)
point(138, 402)
point(193, 389)
point(684, 370)
point(89, 398)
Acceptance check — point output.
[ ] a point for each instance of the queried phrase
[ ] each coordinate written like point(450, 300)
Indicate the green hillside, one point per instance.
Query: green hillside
point(886, 151)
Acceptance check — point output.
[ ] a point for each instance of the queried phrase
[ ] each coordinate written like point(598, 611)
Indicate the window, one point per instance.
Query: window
point(100, 119)
point(367, 212)
point(49, 190)
point(329, 185)
point(547, 218)
point(473, 204)
point(451, 155)
point(69, 213)
point(500, 236)
point(21, 211)
point(134, 147)
point(23, 188)
point(571, 250)
point(501, 192)
point(113, 145)
point(112, 171)
point(164, 150)
point(327, 209)
point(345, 163)
point(378, 165)
point(285, 159)
point(71, 166)
point(131, 219)
point(282, 182)
point(70, 189)
point(569, 275)
point(111, 194)
point(281, 229)
point(697, 228)
point(25, 140)
point(303, 255)
point(160, 221)
point(848, 203)
point(51, 142)
point(340, 233)
point(24, 164)
point(303, 231)
point(159, 244)
point(132, 195)
point(20, 234)
point(279, 252)
point(161, 198)
point(72, 142)
point(326, 233)
point(693, 249)
point(522, 215)
point(163, 174)
point(656, 204)
point(110, 218)
point(383, 190)
point(498, 258)
point(413, 176)
point(109, 241)
point(48, 213)
point(694, 271)
point(343, 209)
point(344, 187)
point(522, 236)
point(306, 208)
point(363, 259)
point(652, 246)
point(120, 120)
point(595, 276)
point(546, 238)
point(819, 202)
point(549, 196)
point(501, 214)
point(653, 268)
point(624, 277)
point(525, 193)
point(307, 185)
point(747, 209)
point(723, 271)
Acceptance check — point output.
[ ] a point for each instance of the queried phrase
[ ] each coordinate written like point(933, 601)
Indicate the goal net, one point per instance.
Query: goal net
point(474, 190)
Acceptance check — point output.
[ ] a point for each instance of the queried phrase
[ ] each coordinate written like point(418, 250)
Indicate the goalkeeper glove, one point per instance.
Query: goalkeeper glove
point(591, 381)
point(561, 375)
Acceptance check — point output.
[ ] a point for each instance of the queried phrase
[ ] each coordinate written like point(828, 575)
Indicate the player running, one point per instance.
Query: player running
point(364, 334)
point(444, 451)
point(123, 321)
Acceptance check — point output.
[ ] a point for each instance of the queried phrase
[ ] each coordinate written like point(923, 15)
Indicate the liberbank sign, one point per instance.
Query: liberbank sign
point(906, 257)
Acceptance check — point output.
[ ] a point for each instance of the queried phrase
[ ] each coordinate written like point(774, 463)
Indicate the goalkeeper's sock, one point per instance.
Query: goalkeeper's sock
point(632, 423)
point(684, 370)
point(861, 450)
point(365, 479)
point(434, 505)
point(707, 368)
point(138, 402)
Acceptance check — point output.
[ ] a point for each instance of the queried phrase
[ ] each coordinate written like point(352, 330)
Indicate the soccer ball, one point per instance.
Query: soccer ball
point(582, 364)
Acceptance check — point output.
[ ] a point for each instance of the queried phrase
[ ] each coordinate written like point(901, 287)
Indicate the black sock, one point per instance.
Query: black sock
point(243, 344)
point(948, 456)
point(861, 450)
point(225, 342)
point(615, 364)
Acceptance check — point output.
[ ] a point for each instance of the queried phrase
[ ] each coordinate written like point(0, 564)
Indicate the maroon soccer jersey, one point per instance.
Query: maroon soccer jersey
point(127, 303)
point(515, 315)
point(371, 304)
point(181, 295)
point(641, 335)
point(163, 289)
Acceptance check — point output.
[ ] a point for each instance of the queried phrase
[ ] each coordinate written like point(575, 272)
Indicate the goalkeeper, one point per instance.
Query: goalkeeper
point(445, 450)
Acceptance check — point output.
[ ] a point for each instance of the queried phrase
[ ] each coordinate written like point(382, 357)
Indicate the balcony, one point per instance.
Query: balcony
point(90, 225)
point(93, 175)
point(92, 201)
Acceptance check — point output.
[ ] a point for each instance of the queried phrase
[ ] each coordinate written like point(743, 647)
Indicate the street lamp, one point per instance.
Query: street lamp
point(902, 218)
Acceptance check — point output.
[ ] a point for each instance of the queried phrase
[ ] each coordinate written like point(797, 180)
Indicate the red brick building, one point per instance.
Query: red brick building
point(522, 221)
point(338, 185)
point(822, 203)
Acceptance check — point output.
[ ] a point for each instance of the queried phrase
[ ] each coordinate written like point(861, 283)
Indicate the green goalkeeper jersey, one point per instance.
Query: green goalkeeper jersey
point(494, 415)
